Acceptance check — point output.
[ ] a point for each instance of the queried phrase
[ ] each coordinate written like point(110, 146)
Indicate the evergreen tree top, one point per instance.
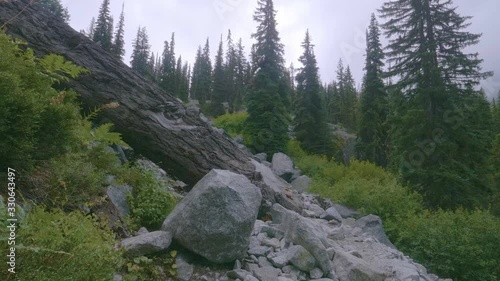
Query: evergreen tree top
point(268, 51)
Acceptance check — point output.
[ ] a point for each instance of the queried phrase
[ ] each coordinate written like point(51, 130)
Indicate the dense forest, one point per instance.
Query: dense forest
point(426, 155)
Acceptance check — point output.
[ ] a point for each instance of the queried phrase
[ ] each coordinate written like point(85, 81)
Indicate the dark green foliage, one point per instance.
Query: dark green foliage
point(201, 82)
point(57, 246)
point(56, 8)
point(443, 155)
point(184, 74)
point(342, 99)
point(168, 77)
point(219, 87)
point(103, 32)
point(154, 68)
point(311, 129)
point(462, 245)
point(496, 114)
point(118, 47)
point(230, 71)
point(267, 123)
point(32, 113)
point(495, 164)
point(140, 53)
point(373, 129)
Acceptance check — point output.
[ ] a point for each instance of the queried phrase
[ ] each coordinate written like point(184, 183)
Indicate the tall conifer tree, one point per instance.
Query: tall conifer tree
point(103, 32)
point(219, 84)
point(443, 154)
point(310, 125)
point(141, 53)
point(267, 123)
point(372, 142)
point(118, 48)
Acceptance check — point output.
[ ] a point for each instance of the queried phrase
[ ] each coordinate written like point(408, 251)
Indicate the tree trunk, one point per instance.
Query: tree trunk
point(154, 123)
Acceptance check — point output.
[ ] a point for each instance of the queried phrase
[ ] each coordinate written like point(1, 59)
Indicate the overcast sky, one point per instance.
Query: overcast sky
point(337, 27)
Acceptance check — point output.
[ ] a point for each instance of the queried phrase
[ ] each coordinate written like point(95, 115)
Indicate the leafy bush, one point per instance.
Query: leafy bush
point(36, 121)
point(72, 178)
point(462, 245)
point(59, 246)
point(232, 123)
point(151, 202)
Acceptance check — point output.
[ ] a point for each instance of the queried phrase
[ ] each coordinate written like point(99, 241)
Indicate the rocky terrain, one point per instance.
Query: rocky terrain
point(222, 238)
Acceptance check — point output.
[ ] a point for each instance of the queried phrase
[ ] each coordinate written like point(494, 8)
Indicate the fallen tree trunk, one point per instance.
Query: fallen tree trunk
point(154, 123)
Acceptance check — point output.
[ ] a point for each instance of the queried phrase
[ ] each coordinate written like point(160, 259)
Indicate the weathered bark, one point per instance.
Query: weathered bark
point(154, 123)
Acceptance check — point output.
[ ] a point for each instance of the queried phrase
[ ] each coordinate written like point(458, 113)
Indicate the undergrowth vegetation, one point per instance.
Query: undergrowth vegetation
point(461, 244)
point(151, 201)
point(63, 246)
point(64, 162)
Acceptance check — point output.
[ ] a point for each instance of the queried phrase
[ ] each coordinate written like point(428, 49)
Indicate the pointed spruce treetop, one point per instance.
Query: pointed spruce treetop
point(219, 84)
point(119, 44)
point(103, 34)
point(268, 49)
point(427, 42)
point(311, 128)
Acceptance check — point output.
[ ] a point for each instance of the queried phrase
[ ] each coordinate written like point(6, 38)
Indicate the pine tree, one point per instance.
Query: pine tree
point(311, 129)
point(91, 29)
point(443, 154)
point(343, 99)
point(230, 73)
point(496, 114)
point(184, 83)
point(195, 76)
point(56, 8)
point(219, 85)
point(349, 101)
point(169, 78)
point(103, 33)
point(178, 78)
point(201, 81)
point(118, 47)
point(241, 83)
point(141, 53)
point(373, 133)
point(267, 123)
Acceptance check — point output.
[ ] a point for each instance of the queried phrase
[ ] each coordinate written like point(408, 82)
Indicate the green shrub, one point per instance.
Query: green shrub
point(59, 246)
point(151, 202)
point(35, 120)
point(462, 245)
point(72, 178)
point(232, 123)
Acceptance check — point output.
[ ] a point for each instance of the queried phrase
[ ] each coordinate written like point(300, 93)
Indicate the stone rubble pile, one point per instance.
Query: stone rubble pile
point(304, 237)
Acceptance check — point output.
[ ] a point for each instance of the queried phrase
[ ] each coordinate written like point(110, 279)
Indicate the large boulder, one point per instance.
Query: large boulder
point(302, 183)
point(215, 220)
point(349, 268)
point(283, 166)
point(372, 225)
point(145, 244)
point(276, 190)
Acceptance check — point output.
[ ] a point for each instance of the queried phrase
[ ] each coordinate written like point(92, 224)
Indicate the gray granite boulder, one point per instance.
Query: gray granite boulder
point(215, 220)
point(283, 166)
point(146, 244)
